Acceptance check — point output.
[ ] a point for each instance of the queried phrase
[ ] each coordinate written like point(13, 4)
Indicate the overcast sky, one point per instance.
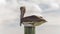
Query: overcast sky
point(9, 16)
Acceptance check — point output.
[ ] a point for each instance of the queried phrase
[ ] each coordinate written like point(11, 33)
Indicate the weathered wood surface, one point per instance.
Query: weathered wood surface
point(29, 30)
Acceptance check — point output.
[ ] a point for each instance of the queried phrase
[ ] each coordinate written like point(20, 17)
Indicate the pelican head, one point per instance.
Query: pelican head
point(22, 9)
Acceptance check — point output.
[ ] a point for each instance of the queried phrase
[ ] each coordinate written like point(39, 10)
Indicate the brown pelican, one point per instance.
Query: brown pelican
point(32, 18)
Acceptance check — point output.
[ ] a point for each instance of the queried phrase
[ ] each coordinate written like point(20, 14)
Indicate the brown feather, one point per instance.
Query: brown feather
point(22, 9)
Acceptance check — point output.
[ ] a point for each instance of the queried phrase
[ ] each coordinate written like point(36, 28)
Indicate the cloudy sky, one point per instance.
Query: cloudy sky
point(9, 16)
